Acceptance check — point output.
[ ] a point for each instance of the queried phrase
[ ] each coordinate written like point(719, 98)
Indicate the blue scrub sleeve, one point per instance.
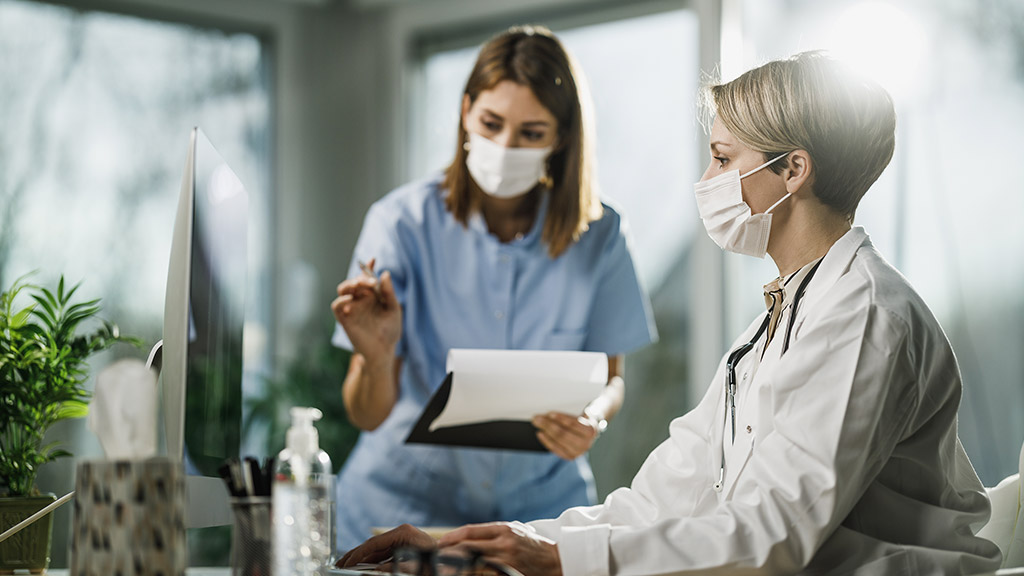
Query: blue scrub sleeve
point(378, 239)
point(621, 319)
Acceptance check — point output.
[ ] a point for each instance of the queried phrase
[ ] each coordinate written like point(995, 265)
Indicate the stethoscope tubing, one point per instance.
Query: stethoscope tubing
point(736, 355)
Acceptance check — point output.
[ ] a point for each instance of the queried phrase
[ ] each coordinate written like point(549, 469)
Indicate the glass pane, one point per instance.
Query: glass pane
point(944, 211)
point(643, 75)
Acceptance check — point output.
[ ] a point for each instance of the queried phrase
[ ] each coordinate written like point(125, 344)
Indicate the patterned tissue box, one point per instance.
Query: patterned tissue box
point(129, 518)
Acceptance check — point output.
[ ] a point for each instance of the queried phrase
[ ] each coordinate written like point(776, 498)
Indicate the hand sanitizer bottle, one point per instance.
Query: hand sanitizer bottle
point(301, 501)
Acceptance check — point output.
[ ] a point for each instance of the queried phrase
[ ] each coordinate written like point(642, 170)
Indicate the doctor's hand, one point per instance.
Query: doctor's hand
point(510, 543)
point(380, 548)
point(566, 436)
point(370, 313)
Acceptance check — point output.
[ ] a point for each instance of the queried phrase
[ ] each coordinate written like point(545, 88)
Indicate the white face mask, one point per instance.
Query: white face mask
point(504, 172)
point(728, 219)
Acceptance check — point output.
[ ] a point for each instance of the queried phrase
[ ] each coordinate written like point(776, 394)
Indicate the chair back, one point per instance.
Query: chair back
point(1006, 526)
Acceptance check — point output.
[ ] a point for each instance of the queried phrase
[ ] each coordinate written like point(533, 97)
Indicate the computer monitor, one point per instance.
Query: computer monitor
point(204, 313)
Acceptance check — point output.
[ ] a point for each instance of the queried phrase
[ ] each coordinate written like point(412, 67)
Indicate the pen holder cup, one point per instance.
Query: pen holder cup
point(129, 518)
point(250, 537)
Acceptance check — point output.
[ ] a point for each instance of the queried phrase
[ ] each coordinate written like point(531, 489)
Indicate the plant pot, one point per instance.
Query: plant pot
point(28, 549)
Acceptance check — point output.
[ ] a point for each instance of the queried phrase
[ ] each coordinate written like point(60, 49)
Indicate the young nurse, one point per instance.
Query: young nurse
point(827, 441)
point(509, 248)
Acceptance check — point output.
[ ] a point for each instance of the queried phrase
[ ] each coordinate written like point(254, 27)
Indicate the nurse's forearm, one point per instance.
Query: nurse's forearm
point(370, 389)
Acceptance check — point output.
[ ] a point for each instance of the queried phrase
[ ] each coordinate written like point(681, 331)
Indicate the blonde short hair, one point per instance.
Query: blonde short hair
point(812, 102)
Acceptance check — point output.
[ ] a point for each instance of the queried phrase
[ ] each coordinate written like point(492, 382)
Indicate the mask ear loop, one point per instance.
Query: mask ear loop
point(772, 207)
point(783, 155)
point(788, 194)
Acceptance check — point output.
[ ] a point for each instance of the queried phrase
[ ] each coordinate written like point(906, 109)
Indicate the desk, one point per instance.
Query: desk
point(217, 571)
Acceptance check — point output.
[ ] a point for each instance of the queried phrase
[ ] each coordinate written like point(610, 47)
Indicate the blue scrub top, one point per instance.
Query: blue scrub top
point(460, 287)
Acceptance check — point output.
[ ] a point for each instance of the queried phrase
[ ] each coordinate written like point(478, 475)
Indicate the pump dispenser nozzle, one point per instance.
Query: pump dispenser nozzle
point(302, 437)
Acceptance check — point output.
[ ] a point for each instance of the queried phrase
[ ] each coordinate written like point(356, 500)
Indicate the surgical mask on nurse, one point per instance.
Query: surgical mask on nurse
point(728, 220)
point(504, 172)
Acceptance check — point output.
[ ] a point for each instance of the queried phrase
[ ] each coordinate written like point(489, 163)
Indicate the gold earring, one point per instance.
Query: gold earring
point(546, 180)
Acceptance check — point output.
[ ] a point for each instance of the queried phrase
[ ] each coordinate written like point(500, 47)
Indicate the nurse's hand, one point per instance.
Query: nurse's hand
point(565, 435)
point(371, 315)
point(380, 548)
point(510, 543)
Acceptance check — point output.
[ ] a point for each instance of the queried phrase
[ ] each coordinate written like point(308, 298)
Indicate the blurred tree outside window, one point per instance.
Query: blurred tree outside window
point(96, 110)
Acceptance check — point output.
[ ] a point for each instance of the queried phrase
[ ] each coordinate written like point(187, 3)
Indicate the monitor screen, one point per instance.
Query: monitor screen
point(204, 314)
point(213, 390)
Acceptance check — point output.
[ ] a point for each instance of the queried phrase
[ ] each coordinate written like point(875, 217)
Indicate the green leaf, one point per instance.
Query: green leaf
point(91, 303)
point(72, 409)
point(51, 453)
point(72, 317)
point(46, 304)
point(48, 321)
point(43, 370)
point(21, 317)
point(53, 300)
point(71, 292)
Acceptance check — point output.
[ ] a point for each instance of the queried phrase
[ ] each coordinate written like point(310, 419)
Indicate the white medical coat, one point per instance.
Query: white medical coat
point(851, 462)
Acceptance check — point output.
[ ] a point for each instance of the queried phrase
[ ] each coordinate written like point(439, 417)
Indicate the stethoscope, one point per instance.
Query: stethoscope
point(736, 355)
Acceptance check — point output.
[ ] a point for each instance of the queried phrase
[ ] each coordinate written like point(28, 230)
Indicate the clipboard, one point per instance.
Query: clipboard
point(499, 391)
point(500, 434)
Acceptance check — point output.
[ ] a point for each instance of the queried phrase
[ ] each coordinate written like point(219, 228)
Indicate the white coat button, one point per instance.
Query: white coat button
point(749, 430)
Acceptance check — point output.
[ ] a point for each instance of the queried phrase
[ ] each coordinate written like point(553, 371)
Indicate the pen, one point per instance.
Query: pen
point(46, 510)
point(369, 272)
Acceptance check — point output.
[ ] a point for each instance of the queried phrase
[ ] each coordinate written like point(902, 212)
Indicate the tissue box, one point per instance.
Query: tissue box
point(129, 518)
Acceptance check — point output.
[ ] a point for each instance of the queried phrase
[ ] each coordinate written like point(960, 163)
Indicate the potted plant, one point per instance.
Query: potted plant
point(43, 371)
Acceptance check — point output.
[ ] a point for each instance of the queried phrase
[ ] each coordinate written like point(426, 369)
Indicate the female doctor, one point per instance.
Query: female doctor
point(510, 248)
point(827, 442)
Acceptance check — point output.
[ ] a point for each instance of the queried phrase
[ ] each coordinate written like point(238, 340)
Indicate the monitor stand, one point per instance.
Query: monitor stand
point(206, 498)
point(206, 502)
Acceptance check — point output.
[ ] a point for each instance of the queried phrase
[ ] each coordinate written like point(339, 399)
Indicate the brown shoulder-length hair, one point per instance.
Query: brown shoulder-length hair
point(533, 57)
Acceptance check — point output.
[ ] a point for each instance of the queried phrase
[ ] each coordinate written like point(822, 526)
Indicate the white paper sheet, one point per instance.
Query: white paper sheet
point(518, 384)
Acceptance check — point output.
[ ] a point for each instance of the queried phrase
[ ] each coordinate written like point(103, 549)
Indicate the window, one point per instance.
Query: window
point(97, 110)
point(945, 210)
point(643, 74)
